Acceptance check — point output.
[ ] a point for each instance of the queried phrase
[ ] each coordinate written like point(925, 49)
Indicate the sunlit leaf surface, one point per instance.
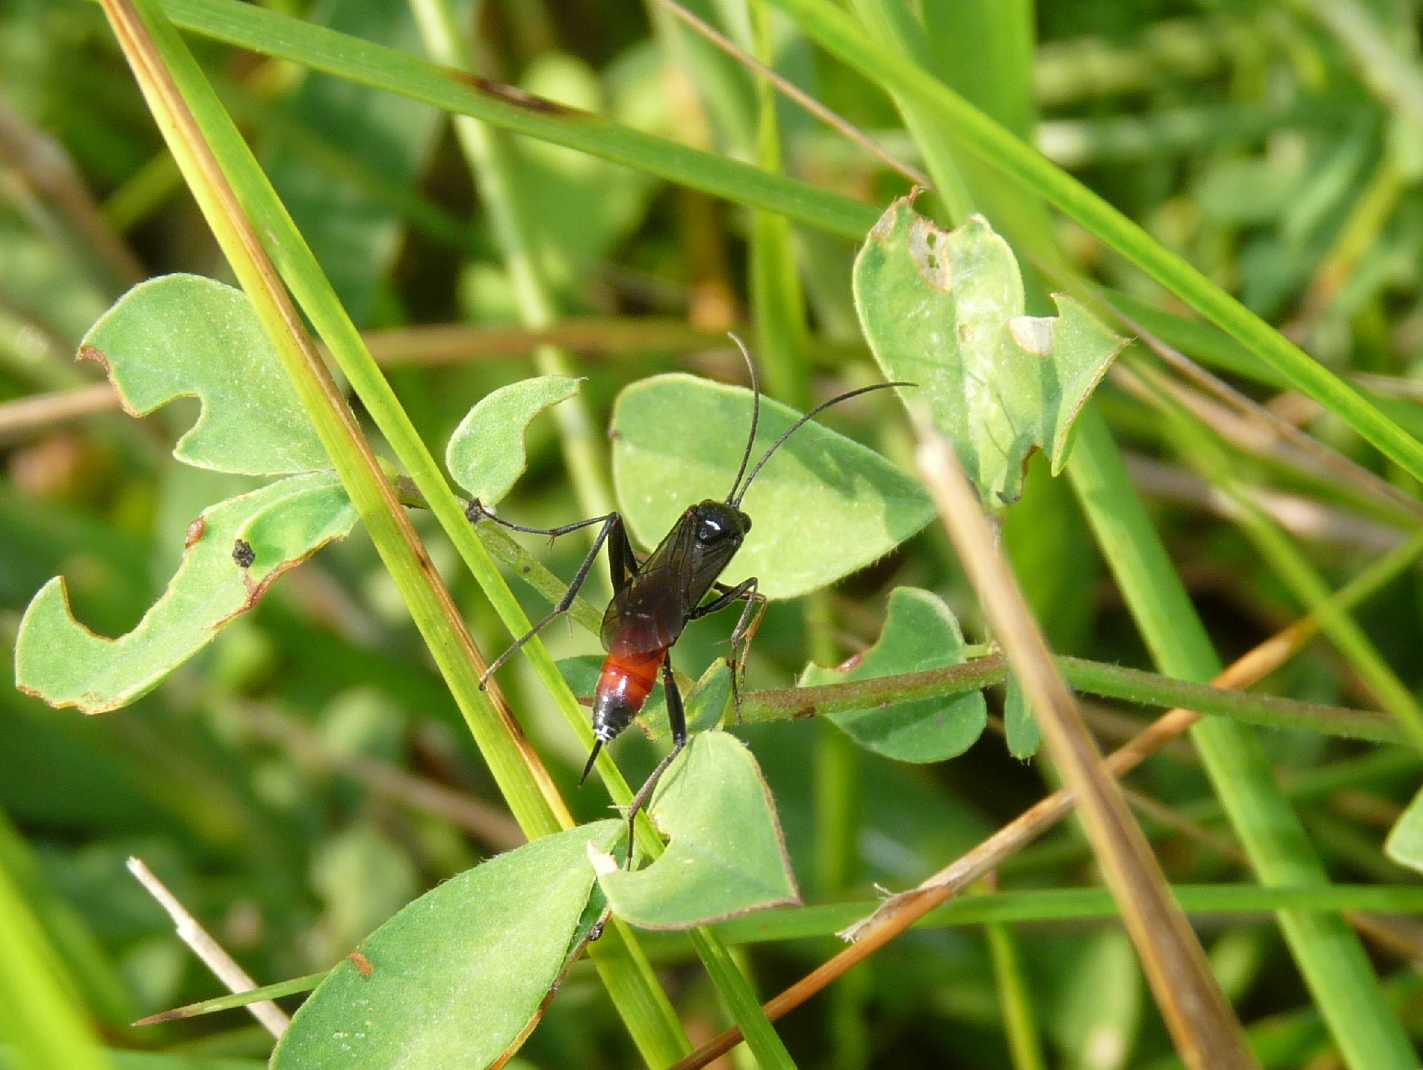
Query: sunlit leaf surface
point(726, 856)
point(822, 507)
point(920, 633)
point(944, 309)
point(455, 978)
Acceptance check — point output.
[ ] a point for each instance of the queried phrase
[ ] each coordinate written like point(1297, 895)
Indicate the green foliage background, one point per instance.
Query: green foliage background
point(280, 782)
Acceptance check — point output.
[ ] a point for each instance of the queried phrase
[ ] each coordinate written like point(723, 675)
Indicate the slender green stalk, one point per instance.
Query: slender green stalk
point(1014, 998)
point(1079, 904)
point(493, 162)
point(213, 155)
point(1329, 955)
point(233, 1000)
point(273, 34)
point(1092, 677)
point(844, 37)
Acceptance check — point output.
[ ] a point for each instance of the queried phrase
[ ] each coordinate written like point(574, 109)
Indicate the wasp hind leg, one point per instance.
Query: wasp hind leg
point(677, 718)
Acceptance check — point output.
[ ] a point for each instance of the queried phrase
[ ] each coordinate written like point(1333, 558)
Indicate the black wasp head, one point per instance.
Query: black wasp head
point(720, 525)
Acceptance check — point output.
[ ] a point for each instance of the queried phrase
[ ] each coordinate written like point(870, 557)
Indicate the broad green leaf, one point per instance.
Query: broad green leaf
point(823, 507)
point(485, 454)
point(187, 336)
point(920, 633)
point(456, 977)
point(727, 856)
point(944, 309)
point(1021, 726)
point(60, 661)
point(1405, 840)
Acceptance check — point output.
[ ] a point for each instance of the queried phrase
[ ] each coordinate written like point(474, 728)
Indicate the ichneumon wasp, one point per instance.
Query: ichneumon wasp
point(656, 597)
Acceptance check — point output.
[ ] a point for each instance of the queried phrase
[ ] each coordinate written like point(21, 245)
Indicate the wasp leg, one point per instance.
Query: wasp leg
point(677, 718)
point(742, 634)
point(620, 554)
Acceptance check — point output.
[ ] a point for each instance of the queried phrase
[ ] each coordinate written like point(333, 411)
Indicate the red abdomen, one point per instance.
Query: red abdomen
point(623, 687)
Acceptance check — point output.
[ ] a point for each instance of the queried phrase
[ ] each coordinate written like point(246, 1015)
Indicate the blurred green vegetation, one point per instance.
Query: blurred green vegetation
point(308, 774)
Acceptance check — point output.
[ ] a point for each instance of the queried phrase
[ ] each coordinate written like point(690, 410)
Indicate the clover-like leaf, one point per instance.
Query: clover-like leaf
point(188, 336)
point(1405, 840)
point(456, 978)
point(920, 633)
point(485, 454)
point(823, 507)
point(60, 661)
point(726, 857)
point(944, 309)
point(1019, 725)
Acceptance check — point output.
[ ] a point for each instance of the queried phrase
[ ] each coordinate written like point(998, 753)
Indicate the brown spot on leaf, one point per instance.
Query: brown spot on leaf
point(195, 532)
point(512, 95)
point(362, 964)
point(96, 355)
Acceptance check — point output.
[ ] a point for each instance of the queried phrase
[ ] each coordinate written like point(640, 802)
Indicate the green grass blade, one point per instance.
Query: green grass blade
point(270, 33)
point(1329, 955)
point(532, 798)
point(844, 37)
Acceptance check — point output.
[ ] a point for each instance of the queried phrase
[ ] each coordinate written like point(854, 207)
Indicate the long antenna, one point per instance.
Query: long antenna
point(755, 413)
point(801, 423)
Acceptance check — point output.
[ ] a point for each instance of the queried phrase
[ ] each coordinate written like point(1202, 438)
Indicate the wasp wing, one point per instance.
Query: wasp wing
point(651, 610)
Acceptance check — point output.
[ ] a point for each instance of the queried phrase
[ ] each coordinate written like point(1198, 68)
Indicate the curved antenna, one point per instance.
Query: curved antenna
point(801, 423)
point(755, 414)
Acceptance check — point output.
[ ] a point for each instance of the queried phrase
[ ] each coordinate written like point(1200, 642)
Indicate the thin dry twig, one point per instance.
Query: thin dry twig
point(1200, 1019)
point(41, 411)
point(1256, 427)
point(200, 941)
point(790, 91)
point(1300, 516)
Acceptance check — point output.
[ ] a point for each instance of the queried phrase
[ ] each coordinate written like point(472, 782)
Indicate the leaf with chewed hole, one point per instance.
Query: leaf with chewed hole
point(726, 857)
point(1405, 840)
point(188, 336)
point(458, 977)
point(60, 661)
point(823, 507)
point(485, 454)
point(920, 633)
point(944, 309)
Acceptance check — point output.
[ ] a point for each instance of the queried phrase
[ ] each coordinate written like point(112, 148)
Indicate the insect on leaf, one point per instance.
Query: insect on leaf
point(1405, 841)
point(485, 455)
point(944, 309)
point(823, 507)
point(60, 661)
point(457, 977)
point(187, 336)
point(920, 633)
point(727, 856)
